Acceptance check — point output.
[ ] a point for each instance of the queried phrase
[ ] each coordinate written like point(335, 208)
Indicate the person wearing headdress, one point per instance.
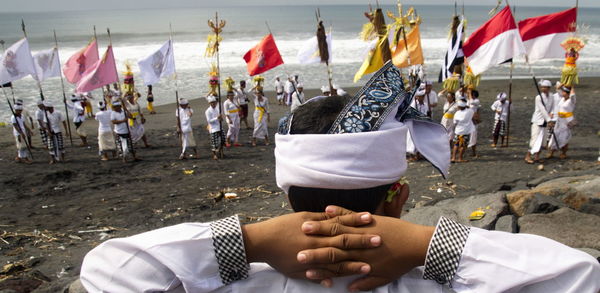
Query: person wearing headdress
point(474, 104)
point(541, 120)
point(261, 117)
point(279, 90)
point(21, 132)
point(77, 107)
point(40, 117)
point(52, 122)
point(463, 127)
point(450, 109)
point(106, 138)
point(150, 100)
point(28, 121)
point(431, 97)
point(242, 97)
point(297, 97)
point(120, 120)
point(500, 108)
point(137, 119)
point(317, 169)
point(419, 102)
point(86, 102)
point(325, 90)
point(290, 87)
point(232, 115)
point(185, 113)
point(565, 122)
point(214, 118)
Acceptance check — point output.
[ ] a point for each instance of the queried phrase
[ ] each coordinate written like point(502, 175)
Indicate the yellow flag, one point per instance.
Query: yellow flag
point(400, 56)
point(375, 60)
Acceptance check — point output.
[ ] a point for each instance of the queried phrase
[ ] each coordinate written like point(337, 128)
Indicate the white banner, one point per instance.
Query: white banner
point(46, 64)
point(159, 64)
point(16, 62)
point(309, 52)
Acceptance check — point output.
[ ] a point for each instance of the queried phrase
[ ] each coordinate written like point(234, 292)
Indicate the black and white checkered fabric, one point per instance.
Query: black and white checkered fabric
point(445, 251)
point(44, 136)
point(229, 249)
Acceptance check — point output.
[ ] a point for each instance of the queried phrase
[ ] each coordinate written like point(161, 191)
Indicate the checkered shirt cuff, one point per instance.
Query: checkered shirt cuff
point(445, 250)
point(228, 243)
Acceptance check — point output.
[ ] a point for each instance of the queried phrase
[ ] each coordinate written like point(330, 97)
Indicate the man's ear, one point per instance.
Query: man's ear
point(394, 208)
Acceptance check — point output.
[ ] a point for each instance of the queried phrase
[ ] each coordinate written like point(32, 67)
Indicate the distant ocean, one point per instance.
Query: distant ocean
point(137, 33)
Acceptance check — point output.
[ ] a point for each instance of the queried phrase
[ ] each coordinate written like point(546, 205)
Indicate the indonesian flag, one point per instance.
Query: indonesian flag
point(77, 64)
point(543, 35)
point(101, 73)
point(494, 42)
point(16, 62)
point(263, 56)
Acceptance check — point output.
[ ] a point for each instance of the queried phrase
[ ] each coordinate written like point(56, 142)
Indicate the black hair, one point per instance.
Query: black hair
point(475, 93)
point(317, 117)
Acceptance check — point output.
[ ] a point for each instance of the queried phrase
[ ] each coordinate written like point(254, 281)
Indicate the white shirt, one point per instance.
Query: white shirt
point(241, 95)
point(566, 106)
point(433, 97)
point(104, 121)
point(56, 118)
point(278, 87)
point(463, 121)
point(19, 121)
point(289, 87)
point(503, 107)
point(297, 100)
point(423, 108)
point(185, 118)
point(78, 111)
point(541, 113)
point(120, 128)
point(212, 117)
point(181, 258)
point(39, 116)
point(230, 108)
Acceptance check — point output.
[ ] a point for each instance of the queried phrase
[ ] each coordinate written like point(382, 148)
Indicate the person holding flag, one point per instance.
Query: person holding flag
point(185, 114)
point(214, 118)
point(21, 133)
point(53, 120)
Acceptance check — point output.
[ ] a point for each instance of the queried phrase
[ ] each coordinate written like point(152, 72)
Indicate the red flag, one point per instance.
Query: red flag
point(103, 72)
point(543, 35)
point(80, 62)
point(263, 56)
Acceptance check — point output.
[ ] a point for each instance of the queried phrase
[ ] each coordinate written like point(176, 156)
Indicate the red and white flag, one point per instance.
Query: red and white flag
point(263, 56)
point(101, 73)
point(543, 35)
point(80, 62)
point(494, 42)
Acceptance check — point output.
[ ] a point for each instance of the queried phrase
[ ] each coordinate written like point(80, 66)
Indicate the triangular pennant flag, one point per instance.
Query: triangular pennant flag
point(494, 42)
point(400, 56)
point(101, 73)
point(46, 64)
point(16, 62)
point(159, 64)
point(80, 62)
point(263, 56)
point(543, 35)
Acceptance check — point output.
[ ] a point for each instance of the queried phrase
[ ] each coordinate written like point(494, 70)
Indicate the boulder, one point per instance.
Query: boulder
point(591, 207)
point(564, 225)
point(531, 202)
point(507, 223)
point(459, 209)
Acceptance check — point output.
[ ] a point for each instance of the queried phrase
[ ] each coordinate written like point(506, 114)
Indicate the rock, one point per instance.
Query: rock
point(531, 202)
point(591, 207)
point(564, 225)
point(593, 252)
point(588, 185)
point(76, 287)
point(459, 209)
point(507, 223)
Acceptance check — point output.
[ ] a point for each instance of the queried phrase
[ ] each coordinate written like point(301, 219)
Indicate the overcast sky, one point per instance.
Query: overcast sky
point(62, 5)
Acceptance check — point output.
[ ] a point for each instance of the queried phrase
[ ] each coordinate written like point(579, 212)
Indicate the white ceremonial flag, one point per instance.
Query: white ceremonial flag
point(46, 64)
point(16, 62)
point(159, 64)
point(309, 52)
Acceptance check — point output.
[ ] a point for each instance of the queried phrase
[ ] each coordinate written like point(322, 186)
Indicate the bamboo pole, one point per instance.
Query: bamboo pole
point(62, 84)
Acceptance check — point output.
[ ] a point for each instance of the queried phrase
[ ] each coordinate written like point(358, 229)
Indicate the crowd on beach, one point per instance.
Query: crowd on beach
point(121, 119)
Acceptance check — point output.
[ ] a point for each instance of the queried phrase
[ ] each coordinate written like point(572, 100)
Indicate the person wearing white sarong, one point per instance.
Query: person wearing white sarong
point(28, 120)
point(232, 114)
point(20, 131)
point(184, 113)
point(224, 256)
point(120, 120)
point(297, 97)
point(78, 110)
point(279, 91)
point(106, 138)
point(448, 116)
point(137, 120)
point(565, 121)
point(540, 121)
point(474, 104)
point(261, 118)
point(431, 97)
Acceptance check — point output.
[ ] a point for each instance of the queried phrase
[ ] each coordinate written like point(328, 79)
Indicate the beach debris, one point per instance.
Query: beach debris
point(75, 237)
point(62, 273)
point(477, 215)
point(104, 236)
point(540, 167)
point(103, 229)
point(219, 197)
point(188, 172)
point(231, 195)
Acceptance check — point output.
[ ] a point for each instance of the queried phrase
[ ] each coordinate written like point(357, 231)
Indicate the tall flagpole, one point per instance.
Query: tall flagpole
point(123, 105)
point(329, 71)
point(50, 131)
point(510, 84)
point(62, 84)
point(179, 132)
